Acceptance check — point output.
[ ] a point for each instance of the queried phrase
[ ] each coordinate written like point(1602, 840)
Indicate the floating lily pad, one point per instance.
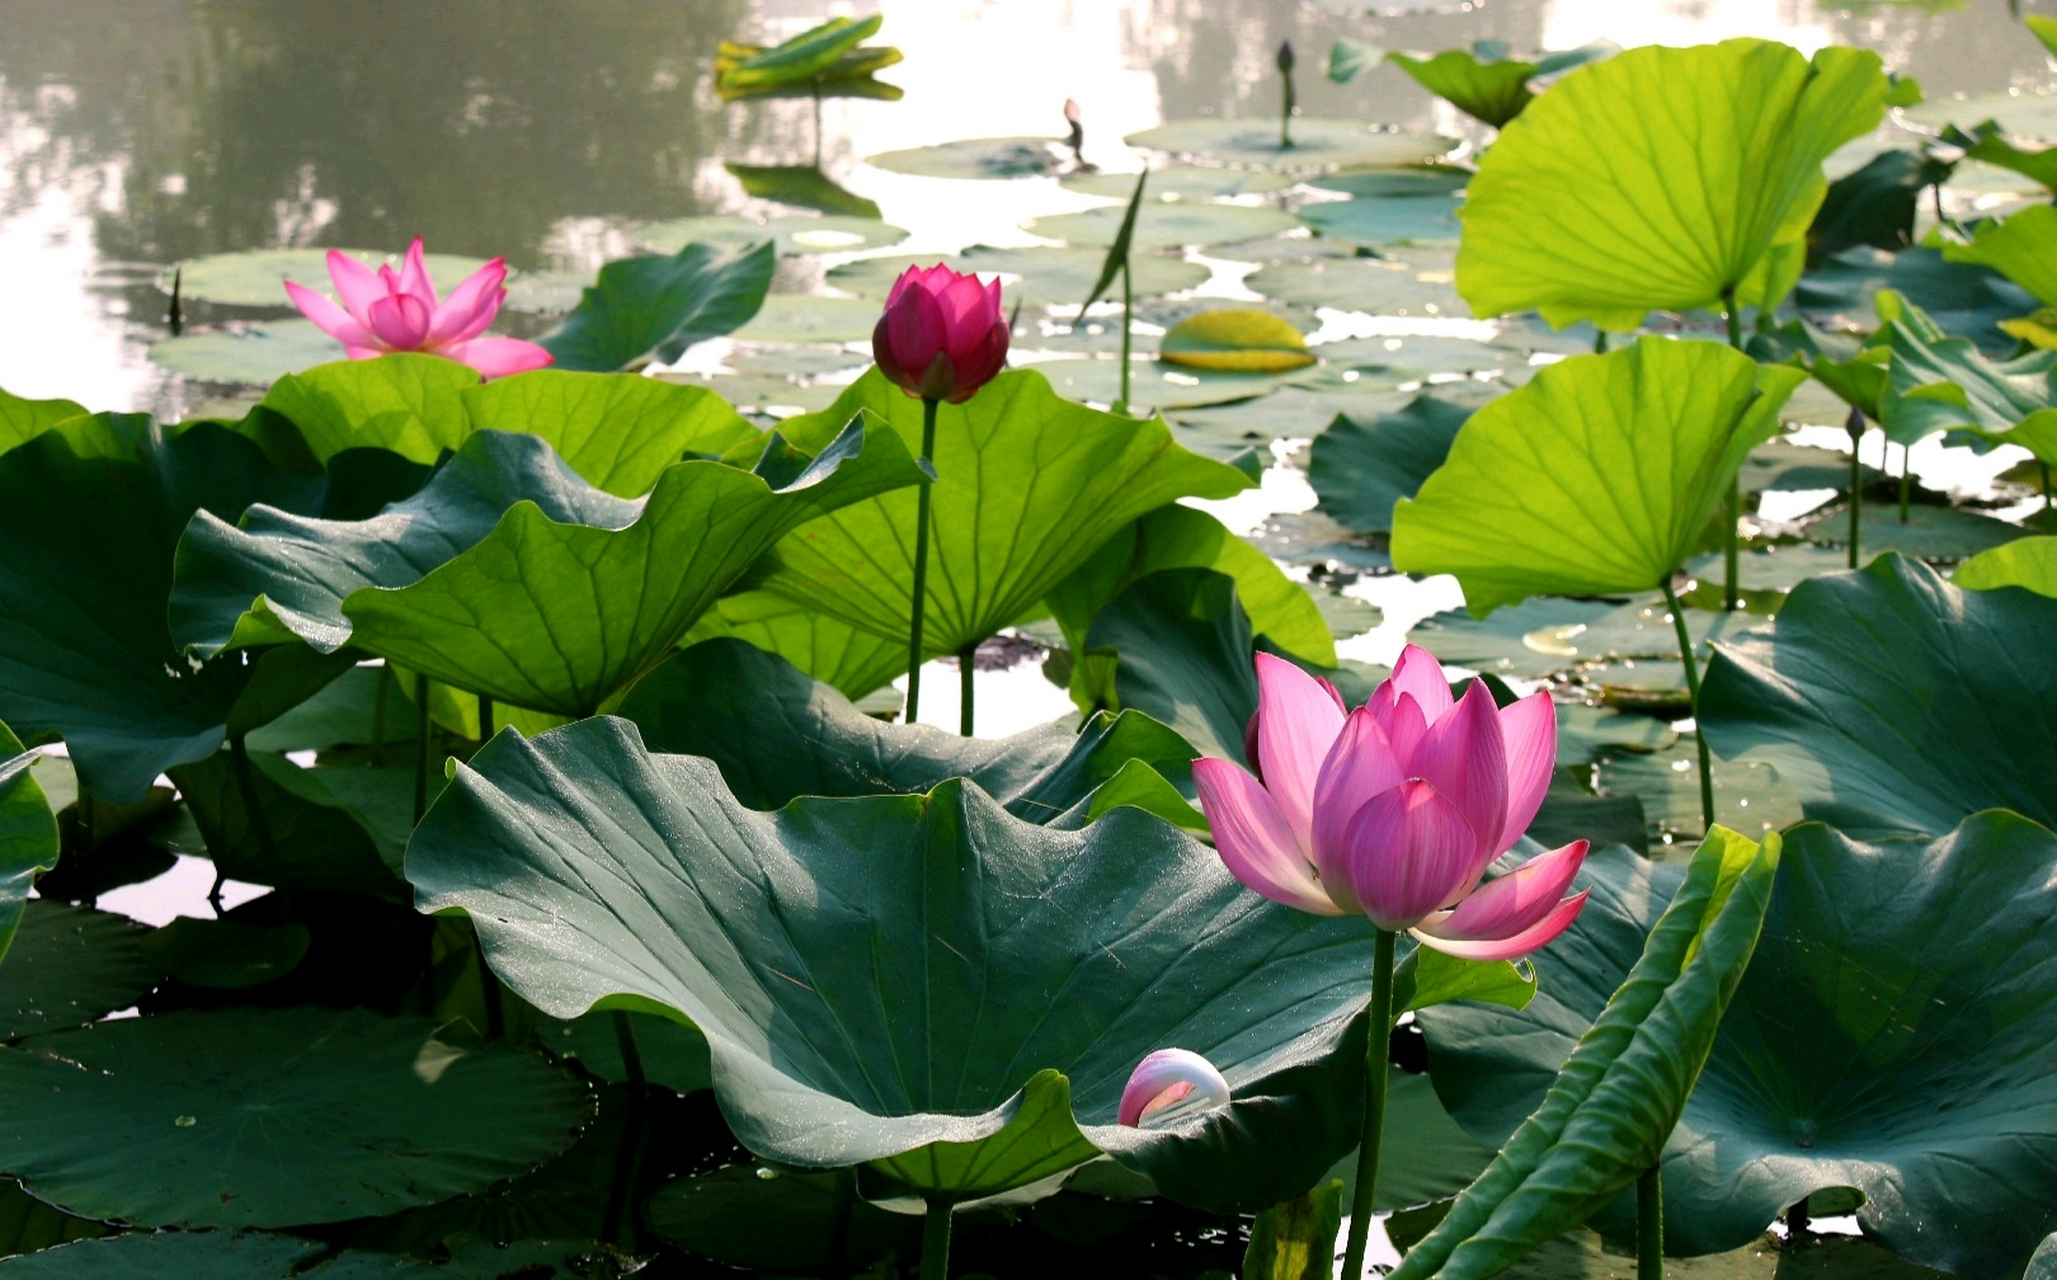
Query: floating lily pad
point(226, 954)
point(1152, 384)
point(1032, 277)
point(221, 1255)
point(1931, 533)
point(1317, 143)
point(1161, 225)
point(1749, 796)
point(1412, 180)
point(789, 317)
point(1523, 640)
point(794, 234)
point(1179, 182)
point(70, 966)
point(254, 1117)
point(1381, 286)
point(257, 277)
point(1584, 733)
point(1236, 340)
point(1387, 220)
point(257, 354)
point(1963, 298)
point(975, 158)
point(1289, 413)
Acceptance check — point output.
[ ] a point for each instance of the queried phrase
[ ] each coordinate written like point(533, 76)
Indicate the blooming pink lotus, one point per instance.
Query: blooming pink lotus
point(942, 336)
point(1170, 1078)
point(1396, 810)
point(385, 311)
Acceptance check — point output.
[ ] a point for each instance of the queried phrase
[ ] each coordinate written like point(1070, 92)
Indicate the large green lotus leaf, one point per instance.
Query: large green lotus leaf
point(1661, 179)
point(1316, 143)
point(221, 1255)
point(91, 514)
point(1610, 1111)
point(1963, 299)
point(1029, 485)
point(777, 734)
point(1892, 1034)
point(1360, 469)
point(656, 307)
point(1749, 795)
point(617, 431)
point(1035, 277)
point(250, 1117)
point(832, 651)
point(23, 419)
point(785, 1221)
point(1162, 225)
point(257, 277)
point(1493, 90)
point(2021, 248)
point(258, 354)
point(1181, 537)
point(1875, 205)
point(1387, 220)
point(409, 404)
point(28, 833)
point(1892, 701)
point(1597, 477)
point(900, 980)
point(1937, 383)
point(1183, 654)
point(2030, 563)
point(554, 605)
point(69, 966)
point(337, 829)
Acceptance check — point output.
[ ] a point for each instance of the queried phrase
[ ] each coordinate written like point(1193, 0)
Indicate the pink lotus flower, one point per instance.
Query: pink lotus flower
point(942, 336)
point(1396, 810)
point(1170, 1078)
point(385, 311)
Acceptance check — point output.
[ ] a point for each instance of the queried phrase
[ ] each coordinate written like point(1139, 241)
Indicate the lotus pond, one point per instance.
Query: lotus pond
point(1273, 640)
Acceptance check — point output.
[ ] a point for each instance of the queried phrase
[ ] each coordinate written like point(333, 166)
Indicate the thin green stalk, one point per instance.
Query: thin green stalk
point(1731, 591)
point(921, 559)
point(1285, 120)
point(966, 665)
point(2046, 482)
point(1650, 1224)
point(628, 1159)
point(485, 718)
point(1600, 342)
point(1128, 304)
point(1685, 651)
point(239, 754)
point(1377, 1056)
point(421, 754)
point(1856, 427)
point(175, 319)
point(1906, 481)
point(631, 1052)
point(935, 1241)
point(489, 995)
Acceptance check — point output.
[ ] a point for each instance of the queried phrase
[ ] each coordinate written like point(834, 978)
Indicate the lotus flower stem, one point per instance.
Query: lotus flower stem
point(1906, 480)
point(1856, 426)
point(175, 319)
point(489, 994)
point(1285, 118)
point(631, 1052)
point(921, 559)
point(966, 664)
point(1128, 304)
point(485, 718)
point(1685, 651)
point(1650, 1224)
point(239, 754)
point(421, 754)
point(935, 1241)
point(1378, 1051)
point(1731, 591)
point(1599, 342)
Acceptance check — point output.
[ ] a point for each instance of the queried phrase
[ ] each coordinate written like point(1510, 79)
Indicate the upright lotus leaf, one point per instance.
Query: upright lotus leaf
point(1180, 650)
point(924, 985)
point(1876, 204)
point(409, 404)
point(555, 605)
point(1609, 1112)
point(1988, 142)
point(1182, 537)
point(1894, 702)
point(2023, 248)
point(1029, 485)
point(1965, 299)
point(333, 829)
point(1596, 478)
point(2030, 563)
point(777, 735)
point(657, 307)
point(1360, 469)
point(1484, 82)
point(829, 649)
point(1662, 178)
point(23, 419)
point(1893, 1033)
point(28, 833)
point(90, 513)
point(743, 70)
point(618, 431)
point(1937, 383)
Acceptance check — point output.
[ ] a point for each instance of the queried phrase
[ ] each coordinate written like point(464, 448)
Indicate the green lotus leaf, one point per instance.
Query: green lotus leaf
point(778, 1220)
point(1875, 205)
point(1387, 181)
point(258, 355)
point(1662, 179)
point(2030, 563)
point(92, 512)
point(1964, 299)
point(213, 1255)
point(1910, 966)
point(28, 833)
point(1317, 143)
point(257, 277)
point(22, 419)
point(1236, 340)
point(409, 404)
point(2020, 248)
point(618, 432)
point(924, 985)
point(777, 735)
point(671, 1054)
point(1161, 224)
point(2042, 1265)
point(1178, 182)
point(1416, 283)
point(1177, 646)
point(68, 966)
point(1595, 478)
point(253, 1117)
point(1928, 533)
point(974, 158)
point(656, 307)
point(1937, 383)
point(1296, 1240)
point(1491, 90)
point(508, 577)
point(226, 954)
point(814, 52)
point(1029, 486)
point(1388, 220)
point(1035, 277)
point(1894, 702)
point(1360, 469)
point(830, 650)
point(1611, 1109)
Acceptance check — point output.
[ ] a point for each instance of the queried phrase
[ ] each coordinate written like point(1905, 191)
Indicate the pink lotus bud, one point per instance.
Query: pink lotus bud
point(1171, 1082)
point(385, 311)
point(942, 336)
point(1395, 810)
